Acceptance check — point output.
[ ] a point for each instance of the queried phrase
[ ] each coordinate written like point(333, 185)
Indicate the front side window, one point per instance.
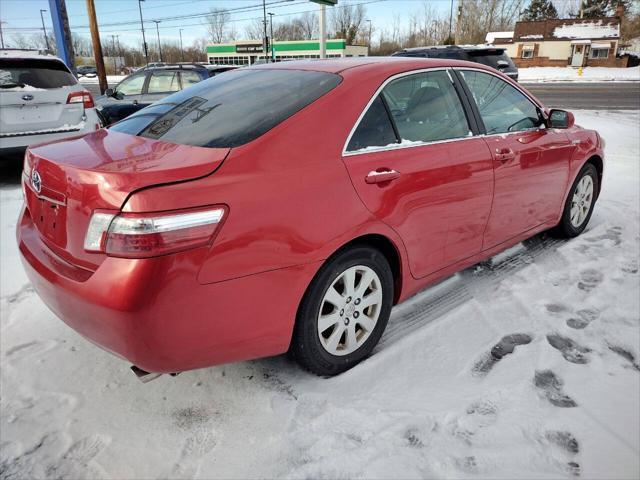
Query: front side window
point(503, 108)
point(132, 85)
point(426, 108)
point(229, 110)
point(163, 81)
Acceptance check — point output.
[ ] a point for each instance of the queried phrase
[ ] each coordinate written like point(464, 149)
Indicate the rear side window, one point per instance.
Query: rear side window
point(189, 78)
point(491, 58)
point(35, 73)
point(229, 110)
point(502, 107)
point(374, 130)
point(426, 108)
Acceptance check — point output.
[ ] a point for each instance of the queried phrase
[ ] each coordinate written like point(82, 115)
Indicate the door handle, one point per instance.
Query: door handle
point(504, 154)
point(381, 175)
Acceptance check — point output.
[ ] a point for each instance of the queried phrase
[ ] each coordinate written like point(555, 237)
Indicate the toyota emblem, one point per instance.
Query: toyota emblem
point(27, 97)
point(36, 181)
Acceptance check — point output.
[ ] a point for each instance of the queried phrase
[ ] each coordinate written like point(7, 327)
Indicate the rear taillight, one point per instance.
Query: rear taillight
point(142, 235)
point(83, 97)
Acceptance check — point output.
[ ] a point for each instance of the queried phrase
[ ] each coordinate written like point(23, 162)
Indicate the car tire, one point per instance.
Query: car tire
point(343, 312)
point(579, 204)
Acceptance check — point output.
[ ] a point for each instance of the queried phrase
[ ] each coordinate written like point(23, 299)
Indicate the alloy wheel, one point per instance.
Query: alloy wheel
point(349, 310)
point(581, 201)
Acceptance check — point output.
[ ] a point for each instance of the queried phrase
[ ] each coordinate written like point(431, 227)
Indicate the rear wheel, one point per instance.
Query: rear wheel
point(344, 311)
point(580, 202)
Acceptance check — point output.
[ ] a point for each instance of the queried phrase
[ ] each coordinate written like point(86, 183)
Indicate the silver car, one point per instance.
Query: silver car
point(41, 101)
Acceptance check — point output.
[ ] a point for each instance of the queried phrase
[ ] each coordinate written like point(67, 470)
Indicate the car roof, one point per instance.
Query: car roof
point(391, 64)
point(478, 47)
point(25, 56)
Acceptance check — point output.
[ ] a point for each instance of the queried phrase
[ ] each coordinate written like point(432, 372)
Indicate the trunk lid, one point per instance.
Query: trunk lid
point(99, 171)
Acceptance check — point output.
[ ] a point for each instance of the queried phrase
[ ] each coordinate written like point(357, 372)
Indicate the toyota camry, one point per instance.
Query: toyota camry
point(287, 207)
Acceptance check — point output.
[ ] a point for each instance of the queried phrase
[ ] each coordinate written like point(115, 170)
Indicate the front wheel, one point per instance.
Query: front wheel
point(580, 202)
point(344, 311)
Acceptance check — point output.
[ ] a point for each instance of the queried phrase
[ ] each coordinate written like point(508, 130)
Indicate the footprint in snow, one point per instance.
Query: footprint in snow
point(504, 347)
point(612, 234)
point(551, 386)
point(570, 446)
point(564, 440)
point(590, 279)
point(571, 351)
point(556, 308)
point(631, 266)
point(626, 354)
point(584, 318)
point(479, 415)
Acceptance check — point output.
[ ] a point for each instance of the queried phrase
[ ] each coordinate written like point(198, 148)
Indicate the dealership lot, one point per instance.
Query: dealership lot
point(427, 403)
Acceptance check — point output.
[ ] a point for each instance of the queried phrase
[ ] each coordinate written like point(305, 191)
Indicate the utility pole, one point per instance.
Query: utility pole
point(144, 40)
point(450, 20)
point(273, 52)
point(44, 30)
point(157, 22)
point(265, 41)
point(114, 53)
point(97, 46)
point(1, 37)
point(323, 30)
point(181, 49)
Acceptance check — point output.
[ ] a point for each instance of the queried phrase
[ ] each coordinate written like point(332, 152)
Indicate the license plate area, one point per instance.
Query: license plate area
point(50, 218)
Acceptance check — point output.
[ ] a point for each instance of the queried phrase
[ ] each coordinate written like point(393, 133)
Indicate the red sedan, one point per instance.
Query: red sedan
point(287, 207)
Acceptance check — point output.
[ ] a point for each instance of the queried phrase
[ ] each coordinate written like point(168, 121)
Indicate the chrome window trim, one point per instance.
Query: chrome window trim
point(346, 153)
point(399, 146)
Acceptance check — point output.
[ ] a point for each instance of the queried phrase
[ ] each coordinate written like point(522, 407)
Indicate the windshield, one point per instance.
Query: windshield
point(34, 73)
point(229, 110)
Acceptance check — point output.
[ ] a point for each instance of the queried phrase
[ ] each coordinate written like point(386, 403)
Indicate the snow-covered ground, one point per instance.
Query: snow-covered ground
point(112, 80)
point(570, 74)
point(429, 403)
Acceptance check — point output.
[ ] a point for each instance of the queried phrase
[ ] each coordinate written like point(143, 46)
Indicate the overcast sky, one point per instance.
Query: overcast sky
point(24, 15)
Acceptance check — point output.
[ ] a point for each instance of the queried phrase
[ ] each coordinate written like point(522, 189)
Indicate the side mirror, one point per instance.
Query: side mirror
point(561, 119)
point(109, 92)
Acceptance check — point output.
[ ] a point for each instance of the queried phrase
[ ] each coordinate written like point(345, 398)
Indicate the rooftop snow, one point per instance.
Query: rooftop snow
point(587, 30)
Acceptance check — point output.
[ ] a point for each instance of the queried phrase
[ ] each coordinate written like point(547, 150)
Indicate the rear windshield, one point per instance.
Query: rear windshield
point(490, 58)
point(35, 73)
point(229, 110)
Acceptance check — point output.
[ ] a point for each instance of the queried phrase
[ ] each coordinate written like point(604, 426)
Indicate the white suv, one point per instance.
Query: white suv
point(41, 101)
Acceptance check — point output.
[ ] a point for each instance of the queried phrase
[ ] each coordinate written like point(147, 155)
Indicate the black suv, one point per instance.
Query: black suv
point(491, 56)
point(146, 86)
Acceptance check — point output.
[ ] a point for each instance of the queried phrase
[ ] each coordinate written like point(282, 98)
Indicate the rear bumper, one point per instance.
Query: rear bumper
point(25, 139)
point(155, 314)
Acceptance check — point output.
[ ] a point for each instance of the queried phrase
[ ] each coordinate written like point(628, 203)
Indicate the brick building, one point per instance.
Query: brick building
point(577, 42)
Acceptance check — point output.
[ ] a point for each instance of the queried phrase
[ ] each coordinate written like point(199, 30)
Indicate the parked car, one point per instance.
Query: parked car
point(488, 55)
point(87, 71)
point(218, 69)
point(146, 86)
point(231, 221)
point(40, 101)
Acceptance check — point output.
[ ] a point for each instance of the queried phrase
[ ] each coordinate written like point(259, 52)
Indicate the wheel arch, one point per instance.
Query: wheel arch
point(597, 162)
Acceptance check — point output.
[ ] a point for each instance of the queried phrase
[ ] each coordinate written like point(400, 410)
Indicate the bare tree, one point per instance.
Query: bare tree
point(216, 24)
point(347, 20)
point(308, 22)
point(254, 30)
